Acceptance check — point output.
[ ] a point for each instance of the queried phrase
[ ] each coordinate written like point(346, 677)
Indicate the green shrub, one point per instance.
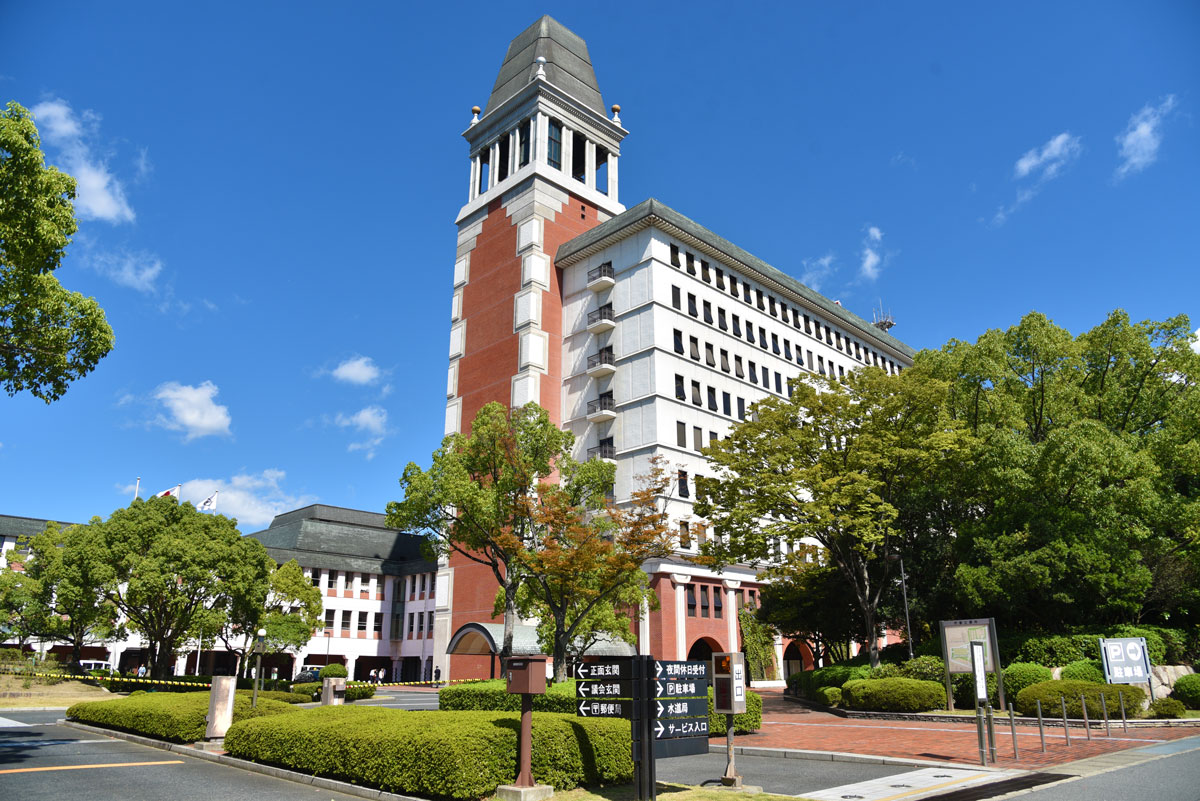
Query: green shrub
point(807, 682)
point(925, 668)
point(1019, 675)
point(886, 670)
point(894, 695)
point(178, 717)
point(435, 754)
point(744, 723)
point(493, 695)
point(1051, 693)
point(334, 671)
point(962, 686)
point(1187, 690)
point(1084, 670)
point(311, 690)
point(275, 695)
point(829, 696)
point(1166, 708)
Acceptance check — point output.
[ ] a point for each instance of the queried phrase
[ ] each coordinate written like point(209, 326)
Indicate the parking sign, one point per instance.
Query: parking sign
point(1125, 660)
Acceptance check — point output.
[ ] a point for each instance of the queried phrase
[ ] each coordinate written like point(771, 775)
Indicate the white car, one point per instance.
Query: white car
point(89, 665)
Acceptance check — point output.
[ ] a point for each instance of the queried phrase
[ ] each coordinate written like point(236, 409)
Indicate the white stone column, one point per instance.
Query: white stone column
point(541, 135)
point(514, 150)
point(493, 163)
point(350, 660)
point(612, 177)
point(474, 181)
point(568, 149)
point(589, 164)
point(680, 583)
point(644, 629)
point(779, 657)
point(731, 614)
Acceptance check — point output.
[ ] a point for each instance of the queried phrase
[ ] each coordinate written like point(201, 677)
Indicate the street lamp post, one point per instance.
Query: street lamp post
point(895, 557)
point(258, 646)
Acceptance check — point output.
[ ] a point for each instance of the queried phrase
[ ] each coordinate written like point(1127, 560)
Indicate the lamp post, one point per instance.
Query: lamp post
point(893, 556)
point(258, 646)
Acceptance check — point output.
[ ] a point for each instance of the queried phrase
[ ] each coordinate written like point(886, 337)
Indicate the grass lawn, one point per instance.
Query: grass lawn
point(14, 693)
point(667, 792)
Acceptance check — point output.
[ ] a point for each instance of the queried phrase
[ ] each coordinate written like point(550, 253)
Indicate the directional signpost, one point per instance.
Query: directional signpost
point(666, 703)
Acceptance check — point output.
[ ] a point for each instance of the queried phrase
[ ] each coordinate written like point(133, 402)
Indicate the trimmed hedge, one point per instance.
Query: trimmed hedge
point(1166, 708)
point(275, 695)
point(925, 668)
point(493, 695)
point(962, 686)
point(829, 696)
point(1019, 675)
point(1050, 694)
point(334, 671)
point(355, 691)
point(894, 695)
point(1187, 690)
point(807, 682)
point(457, 755)
point(1084, 670)
point(177, 717)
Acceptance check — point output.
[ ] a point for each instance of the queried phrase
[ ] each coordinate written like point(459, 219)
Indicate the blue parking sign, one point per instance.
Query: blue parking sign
point(1126, 660)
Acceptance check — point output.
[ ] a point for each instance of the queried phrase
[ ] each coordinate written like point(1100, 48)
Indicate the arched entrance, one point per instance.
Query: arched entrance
point(796, 658)
point(703, 648)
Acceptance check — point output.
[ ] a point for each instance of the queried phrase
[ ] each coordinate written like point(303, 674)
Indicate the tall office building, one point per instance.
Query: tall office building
point(639, 330)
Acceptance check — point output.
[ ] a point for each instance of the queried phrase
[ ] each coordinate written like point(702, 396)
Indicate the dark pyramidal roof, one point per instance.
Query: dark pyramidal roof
point(568, 65)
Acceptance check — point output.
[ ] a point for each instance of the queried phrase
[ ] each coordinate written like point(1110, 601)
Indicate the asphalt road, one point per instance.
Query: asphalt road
point(401, 699)
point(774, 775)
point(40, 760)
point(1175, 777)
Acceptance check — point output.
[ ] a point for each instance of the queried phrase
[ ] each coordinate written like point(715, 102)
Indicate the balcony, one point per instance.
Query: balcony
point(605, 451)
point(601, 320)
point(601, 278)
point(602, 410)
point(602, 363)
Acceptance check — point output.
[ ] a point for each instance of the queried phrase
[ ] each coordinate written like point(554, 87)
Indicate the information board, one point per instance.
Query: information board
point(1126, 660)
point(957, 636)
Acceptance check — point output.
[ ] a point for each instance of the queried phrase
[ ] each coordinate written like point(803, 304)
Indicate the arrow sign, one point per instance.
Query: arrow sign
point(671, 689)
point(603, 689)
point(612, 669)
point(680, 727)
point(682, 707)
point(605, 709)
point(691, 669)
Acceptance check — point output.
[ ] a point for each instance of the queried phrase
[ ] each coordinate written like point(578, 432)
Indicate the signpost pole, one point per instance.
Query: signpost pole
point(980, 684)
point(991, 732)
point(1124, 722)
point(979, 731)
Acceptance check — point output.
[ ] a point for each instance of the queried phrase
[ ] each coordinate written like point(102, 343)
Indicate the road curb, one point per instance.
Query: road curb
point(253, 767)
point(4, 709)
point(841, 756)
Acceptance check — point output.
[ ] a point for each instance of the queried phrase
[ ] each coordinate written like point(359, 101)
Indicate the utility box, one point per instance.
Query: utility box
point(333, 692)
point(526, 675)
point(729, 683)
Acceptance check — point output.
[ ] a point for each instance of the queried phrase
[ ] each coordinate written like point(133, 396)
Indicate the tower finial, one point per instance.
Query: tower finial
point(616, 114)
point(541, 71)
point(475, 110)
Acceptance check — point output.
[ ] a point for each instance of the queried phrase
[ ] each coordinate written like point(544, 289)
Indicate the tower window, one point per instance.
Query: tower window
point(579, 157)
point(601, 170)
point(484, 167)
point(554, 145)
point(678, 341)
point(523, 143)
point(505, 157)
point(675, 298)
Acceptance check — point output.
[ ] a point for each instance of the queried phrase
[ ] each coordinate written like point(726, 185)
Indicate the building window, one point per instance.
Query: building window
point(685, 536)
point(362, 622)
point(691, 264)
point(696, 394)
point(420, 626)
point(345, 619)
point(692, 305)
point(750, 332)
point(704, 602)
point(316, 577)
point(712, 437)
point(378, 624)
point(807, 325)
point(684, 492)
point(760, 300)
point(762, 337)
point(720, 278)
point(676, 302)
point(821, 365)
point(779, 383)
point(725, 360)
point(726, 400)
point(523, 143)
point(330, 618)
point(838, 337)
point(724, 326)
point(712, 398)
point(680, 392)
point(691, 601)
point(349, 586)
point(718, 606)
point(829, 335)
point(737, 367)
point(753, 599)
point(753, 373)
point(674, 255)
point(423, 579)
point(746, 291)
point(775, 344)
point(810, 361)
point(681, 434)
point(579, 157)
point(429, 622)
point(841, 371)
point(331, 579)
point(709, 357)
point(410, 625)
point(783, 311)
point(554, 145)
point(695, 347)
point(737, 326)
point(697, 438)
point(678, 341)
point(766, 377)
point(708, 312)
point(741, 408)
point(787, 350)
point(771, 303)
point(704, 276)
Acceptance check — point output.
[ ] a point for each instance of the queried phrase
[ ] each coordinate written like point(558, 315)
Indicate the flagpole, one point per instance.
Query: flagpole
point(137, 487)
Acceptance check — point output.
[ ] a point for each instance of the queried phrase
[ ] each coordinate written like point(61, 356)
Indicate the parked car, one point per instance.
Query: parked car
point(307, 675)
point(88, 665)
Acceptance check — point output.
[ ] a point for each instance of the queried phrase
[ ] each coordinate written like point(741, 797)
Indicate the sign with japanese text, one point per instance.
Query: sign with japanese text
point(616, 669)
point(681, 707)
point(604, 689)
point(680, 727)
point(606, 709)
point(1126, 660)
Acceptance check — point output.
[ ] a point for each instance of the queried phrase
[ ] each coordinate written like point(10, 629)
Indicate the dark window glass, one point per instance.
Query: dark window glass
point(775, 343)
point(696, 394)
point(753, 373)
point(704, 602)
point(680, 392)
point(760, 300)
point(675, 299)
point(704, 274)
point(807, 325)
point(720, 278)
point(691, 593)
point(750, 332)
point(741, 408)
point(737, 367)
point(709, 358)
point(691, 264)
point(695, 344)
point(523, 143)
point(783, 311)
point(771, 303)
point(725, 403)
point(712, 398)
point(684, 492)
point(721, 322)
point(766, 377)
point(737, 326)
point(787, 350)
point(725, 360)
point(708, 318)
point(674, 255)
point(678, 341)
point(697, 438)
point(681, 435)
point(762, 338)
point(554, 145)
point(779, 383)
point(692, 305)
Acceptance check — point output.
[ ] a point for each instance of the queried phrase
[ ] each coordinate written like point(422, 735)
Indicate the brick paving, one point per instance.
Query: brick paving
point(787, 724)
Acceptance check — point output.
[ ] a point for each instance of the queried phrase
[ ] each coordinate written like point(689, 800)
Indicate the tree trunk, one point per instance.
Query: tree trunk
point(510, 616)
point(560, 646)
point(872, 639)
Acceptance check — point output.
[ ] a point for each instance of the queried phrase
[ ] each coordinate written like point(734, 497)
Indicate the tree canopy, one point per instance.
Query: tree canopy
point(49, 336)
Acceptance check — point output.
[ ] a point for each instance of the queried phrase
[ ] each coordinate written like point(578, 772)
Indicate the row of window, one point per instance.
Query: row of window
point(737, 369)
point(710, 393)
point(415, 587)
point(756, 298)
point(418, 585)
point(418, 623)
point(741, 597)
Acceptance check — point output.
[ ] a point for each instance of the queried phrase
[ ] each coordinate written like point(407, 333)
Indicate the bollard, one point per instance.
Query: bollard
point(1041, 731)
point(1124, 723)
point(1104, 709)
point(1087, 727)
point(1012, 724)
point(333, 692)
point(1066, 730)
point(991, 731)
point(220, 707)
point(979, 731)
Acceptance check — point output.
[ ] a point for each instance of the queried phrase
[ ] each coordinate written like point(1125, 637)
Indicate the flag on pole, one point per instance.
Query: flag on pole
point(173, 492)
point(209, 504)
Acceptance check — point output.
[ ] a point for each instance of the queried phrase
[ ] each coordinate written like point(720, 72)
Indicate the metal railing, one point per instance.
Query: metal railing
point(604, 403)
point(602, 357)
point(603, 271)
point(602, 452)
point(603, 313)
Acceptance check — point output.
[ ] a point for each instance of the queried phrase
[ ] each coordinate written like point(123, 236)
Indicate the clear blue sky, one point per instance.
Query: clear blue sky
point(268, 192)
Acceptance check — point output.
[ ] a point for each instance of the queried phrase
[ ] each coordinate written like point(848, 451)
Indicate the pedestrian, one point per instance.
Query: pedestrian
point(141, 671)
point(437, 675)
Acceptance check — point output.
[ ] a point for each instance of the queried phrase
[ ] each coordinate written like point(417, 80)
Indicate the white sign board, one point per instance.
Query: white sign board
point(978, 660)
point(1126, 660)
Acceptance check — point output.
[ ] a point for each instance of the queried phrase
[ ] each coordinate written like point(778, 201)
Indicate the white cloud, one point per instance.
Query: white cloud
point(193, 410)
point(357, 370)
point(1042, 165)
point(874, 234)
point(371, 421)
point(816, 271)
point(254, 499)
point(99, 195)
point(872, 261)
point(1138, 143)
point(136, 270)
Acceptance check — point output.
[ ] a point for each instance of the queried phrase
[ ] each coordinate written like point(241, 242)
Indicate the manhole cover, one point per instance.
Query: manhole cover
point(852, 795)
point(900, 785)
point(942, 776)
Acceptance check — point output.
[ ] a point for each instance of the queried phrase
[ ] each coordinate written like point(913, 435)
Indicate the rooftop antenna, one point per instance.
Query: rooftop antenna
point(881, 319)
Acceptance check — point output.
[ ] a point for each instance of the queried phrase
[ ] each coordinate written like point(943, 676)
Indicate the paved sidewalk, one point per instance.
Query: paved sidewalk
point(790, 725)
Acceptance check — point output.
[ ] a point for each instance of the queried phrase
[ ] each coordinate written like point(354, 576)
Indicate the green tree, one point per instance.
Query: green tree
point(829, 465)
point(812, 602)
point(583, 569)
point(68, 603)
point(290, 613)
point(1083, 505)
point(168, 568)
point(476, 497)
point(49, 337)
